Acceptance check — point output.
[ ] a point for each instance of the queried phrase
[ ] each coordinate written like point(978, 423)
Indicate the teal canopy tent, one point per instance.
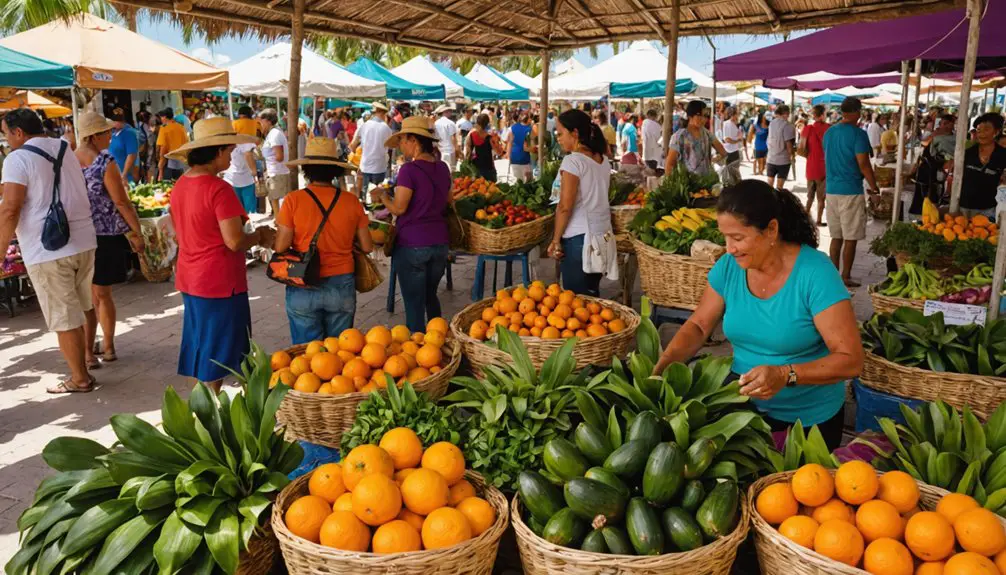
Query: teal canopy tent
point(19, 70)
point(398, 88)
point(653, 89)
point(479, 92)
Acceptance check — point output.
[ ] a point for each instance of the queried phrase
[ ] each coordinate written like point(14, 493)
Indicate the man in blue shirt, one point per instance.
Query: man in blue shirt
point(630, 136)
point(125, 146)
point(846, 163)
point(520, 157)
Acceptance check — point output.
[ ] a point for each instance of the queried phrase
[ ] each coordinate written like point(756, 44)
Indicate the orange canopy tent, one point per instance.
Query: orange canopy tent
point(37, 102)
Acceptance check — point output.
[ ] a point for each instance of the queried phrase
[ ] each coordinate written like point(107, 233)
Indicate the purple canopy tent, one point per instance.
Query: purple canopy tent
point(819, 81)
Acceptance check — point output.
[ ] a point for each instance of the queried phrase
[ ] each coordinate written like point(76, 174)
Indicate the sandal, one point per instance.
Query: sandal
point(109, 356)
point(68, 386)
point(93, 364)
point(851, 283)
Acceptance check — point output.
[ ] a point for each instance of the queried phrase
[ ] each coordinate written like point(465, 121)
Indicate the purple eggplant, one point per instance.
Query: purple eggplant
point(970, 296)
point(985, 294)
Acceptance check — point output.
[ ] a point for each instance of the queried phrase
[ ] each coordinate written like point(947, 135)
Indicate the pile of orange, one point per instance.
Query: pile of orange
point(545, 312)
point(874, 523)
point(961, 228)
point(469, 186)
point(358, 362)
point(391, 498)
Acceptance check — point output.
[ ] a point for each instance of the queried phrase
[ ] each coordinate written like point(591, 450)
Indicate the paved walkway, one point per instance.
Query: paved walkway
point(147, 342)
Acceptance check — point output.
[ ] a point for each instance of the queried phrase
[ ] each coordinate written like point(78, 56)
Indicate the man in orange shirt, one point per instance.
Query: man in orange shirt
point(171, 136)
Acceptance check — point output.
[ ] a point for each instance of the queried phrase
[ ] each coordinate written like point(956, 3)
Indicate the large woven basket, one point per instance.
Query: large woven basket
point(539, 557)
point(621, 217)
point(940, 264)
point(781, 556)
point(588, 351)
point(322, 418)
point(671, 280)
point(260, 557)
point(887, 304)
point(982, 394)
point(473, 557)
point(623, 243)
point(154, 275)
point(482, 240)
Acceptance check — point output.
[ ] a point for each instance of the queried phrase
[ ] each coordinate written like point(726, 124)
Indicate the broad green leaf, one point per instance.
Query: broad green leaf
point(222, 538)
point(995, 500)
point(176, 544)
point(984, 365)
point(23, 561)
point(793, 448)
point(721, 470)
point(995, 429)
point(200, 509)
point(140, 559)
point(995, 473)
point(974, 436)
point(891, 432)
point(93, 480)
point(96, 523)
point(54, 513)
point(58, 483)
point(253, 506)
point(648, 340)
point(73, 453)
point(177, 418)
point(614, 429)
point(726, 426)
point(49, 559)
point(967, 482)
point(680, 428)
point(679, 376)
point(141, 437)
point(155, 492)
point(815, 450)
point(125, 539)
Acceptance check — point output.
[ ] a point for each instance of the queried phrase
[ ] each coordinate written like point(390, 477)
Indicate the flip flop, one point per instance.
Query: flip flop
point(67, 386)
point(93, 364)
point(851, 283)
point(109, 356)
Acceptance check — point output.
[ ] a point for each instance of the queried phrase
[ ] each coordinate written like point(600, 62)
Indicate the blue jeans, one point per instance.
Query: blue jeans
point(324, 311)
point(571, 269)
point(247, 196)
point(375, 179)
point(419, 271)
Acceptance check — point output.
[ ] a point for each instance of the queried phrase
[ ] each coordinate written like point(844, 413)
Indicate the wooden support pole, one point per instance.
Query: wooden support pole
point(998, 273)
point(672, 75)
point(915, 109)
point(546, 63)
point(975, 8)
point(293, 88)
point(899, 167)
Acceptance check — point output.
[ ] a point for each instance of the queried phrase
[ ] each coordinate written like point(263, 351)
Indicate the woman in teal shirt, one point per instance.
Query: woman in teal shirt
point(784, 309)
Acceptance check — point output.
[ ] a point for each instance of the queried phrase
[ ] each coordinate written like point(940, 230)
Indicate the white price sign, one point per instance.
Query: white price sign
point(956, 313)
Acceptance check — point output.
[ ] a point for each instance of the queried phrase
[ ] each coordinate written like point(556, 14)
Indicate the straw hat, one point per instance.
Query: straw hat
point(217, 131)
point(321, 152)
point(92, 123)
point(379, 106)
point(441, 109)
point(415, 125)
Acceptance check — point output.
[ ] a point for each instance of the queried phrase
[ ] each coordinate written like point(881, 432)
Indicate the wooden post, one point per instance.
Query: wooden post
point(899, 167)
point(546, 63)
point(968, 76)
point(998, 273)
point(915, 109)
point(672, 75)
point(985, 100)
point(293, 93)
point(995, 96)
point(230, 103)
point(73, 112)
point(713, 46)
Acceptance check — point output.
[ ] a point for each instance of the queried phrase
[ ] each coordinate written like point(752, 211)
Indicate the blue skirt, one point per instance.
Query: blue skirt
point(214, 330)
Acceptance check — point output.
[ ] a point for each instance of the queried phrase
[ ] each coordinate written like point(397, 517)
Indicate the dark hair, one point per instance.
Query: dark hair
point(948, 118)
point(695, 108)
point(602, 117)
point(851, 105)
point(203, 156)
point(426, 145)
point(269, 115)
point(588, 133)
point(652, 114)
point(991, 118)
point(756, 204)
point(166, 113)
point(26, 119)
point(818, 110)
point(483, 120)
point(322, 172)
point(782, 110)
point(245, 111)
point(761, 118)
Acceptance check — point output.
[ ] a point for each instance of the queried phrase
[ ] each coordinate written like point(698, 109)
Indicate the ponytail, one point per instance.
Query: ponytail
point(756, 204)
point(587, 132)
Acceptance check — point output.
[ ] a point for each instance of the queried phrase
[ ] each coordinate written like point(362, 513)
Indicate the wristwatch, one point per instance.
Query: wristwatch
point(791, 377)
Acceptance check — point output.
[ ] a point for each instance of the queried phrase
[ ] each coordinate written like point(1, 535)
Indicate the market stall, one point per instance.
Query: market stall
point(398, 88)
point(423, 70)
point(267, 74)
point(19, 70)
point(37, 102)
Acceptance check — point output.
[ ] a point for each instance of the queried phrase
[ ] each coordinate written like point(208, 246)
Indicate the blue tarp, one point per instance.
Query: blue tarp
point(398, 88)
point(478, 92)
point(828, 99)
point(653, 89)
point(19, 70)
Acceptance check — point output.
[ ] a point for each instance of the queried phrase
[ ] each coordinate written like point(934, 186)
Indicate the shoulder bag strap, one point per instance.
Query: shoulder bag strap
point(325, 213)
point(57, 165)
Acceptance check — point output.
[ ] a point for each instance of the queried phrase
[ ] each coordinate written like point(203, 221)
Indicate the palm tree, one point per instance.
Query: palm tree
point(20, 15)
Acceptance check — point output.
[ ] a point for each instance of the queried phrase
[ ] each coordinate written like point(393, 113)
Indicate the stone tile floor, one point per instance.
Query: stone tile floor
point(147, 341)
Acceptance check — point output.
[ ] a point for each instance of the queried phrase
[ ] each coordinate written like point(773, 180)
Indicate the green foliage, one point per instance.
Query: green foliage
point(380, 413)
point(969, 253)
point(803, 448)
point(619, 190)
point(906, 238)
point(467, 168)
point(680, 243)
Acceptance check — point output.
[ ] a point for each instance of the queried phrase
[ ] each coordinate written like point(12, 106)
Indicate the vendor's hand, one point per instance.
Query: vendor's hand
point(136, 242)
point(764, 381)
point(554, 250)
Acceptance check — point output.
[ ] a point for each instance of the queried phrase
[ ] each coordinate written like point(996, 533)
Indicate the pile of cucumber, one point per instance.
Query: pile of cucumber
point(647, 497)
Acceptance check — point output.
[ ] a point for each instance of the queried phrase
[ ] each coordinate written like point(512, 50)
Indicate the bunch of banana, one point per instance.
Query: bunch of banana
point(930, 211)
point(914, 282)
point(690, 219)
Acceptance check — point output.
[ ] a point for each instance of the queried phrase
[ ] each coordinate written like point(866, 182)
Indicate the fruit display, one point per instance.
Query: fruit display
point(151, 199)
point(504, 215)
point(668, 223)
point(953, 228)
point(911, 281)
point(975, 288)
point(397, 496)
point(188, 497)
point(355, 362)
point(466, 186)
point(932, 250)
point(379, 232)
point(380, 413)
point(860, 519)
point(623, 192)
point(545, 312)
point(703, 194)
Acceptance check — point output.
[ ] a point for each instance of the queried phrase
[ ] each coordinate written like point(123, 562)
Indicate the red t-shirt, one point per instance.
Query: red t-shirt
point(206, 266)
point(813, 134)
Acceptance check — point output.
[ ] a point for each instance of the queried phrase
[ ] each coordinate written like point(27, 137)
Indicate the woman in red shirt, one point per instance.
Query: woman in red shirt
point(210, 273)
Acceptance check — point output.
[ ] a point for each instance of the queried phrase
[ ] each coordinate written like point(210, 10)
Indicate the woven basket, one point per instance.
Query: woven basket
point(152, 275)
point(260, 557)
point(671, 280)
point(623, 243)
point(322, 418)
point(473, 557)
point(482, 240)
point(939, 264)
point(621, 217)
point(887, 304)
point(588, 351)
point(781, 556)
point(540, 557)
point(879, 206)
point(982, 394)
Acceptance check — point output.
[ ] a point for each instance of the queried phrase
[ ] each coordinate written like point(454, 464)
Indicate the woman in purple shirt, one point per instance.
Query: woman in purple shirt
point(420, 206)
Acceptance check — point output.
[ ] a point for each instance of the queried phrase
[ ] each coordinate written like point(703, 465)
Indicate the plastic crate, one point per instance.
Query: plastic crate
point(872, 404)
point(314, 456)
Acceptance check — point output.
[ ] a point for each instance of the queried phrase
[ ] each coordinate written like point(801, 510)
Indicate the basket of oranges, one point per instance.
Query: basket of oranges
point(391, 508)
point(328, 379)
point(854, 521)
point(544, 317)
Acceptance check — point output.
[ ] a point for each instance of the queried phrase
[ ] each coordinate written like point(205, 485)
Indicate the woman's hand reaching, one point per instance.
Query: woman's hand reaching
point(764, 381)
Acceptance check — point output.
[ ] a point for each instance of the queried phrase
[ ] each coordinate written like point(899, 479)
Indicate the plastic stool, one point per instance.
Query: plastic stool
point(314, 456)
point(478, 288)
point(393, 280)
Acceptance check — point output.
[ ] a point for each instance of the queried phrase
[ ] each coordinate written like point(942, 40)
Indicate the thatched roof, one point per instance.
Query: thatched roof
point(493, 28)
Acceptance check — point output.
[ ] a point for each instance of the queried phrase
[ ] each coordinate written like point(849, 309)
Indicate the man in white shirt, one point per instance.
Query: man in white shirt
point(374, 161)
point(733, 137)
point(275, 151)
point(447, 133)
point(781, 139)
point(873, 132)
point(60, 272)
point(465, 124)
point(652, 132)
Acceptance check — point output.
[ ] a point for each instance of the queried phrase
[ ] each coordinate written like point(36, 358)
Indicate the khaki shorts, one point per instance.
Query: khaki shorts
point(846, 216)
point(278, 186)
point(521, 172)
point(63, 288)
point(815, 189)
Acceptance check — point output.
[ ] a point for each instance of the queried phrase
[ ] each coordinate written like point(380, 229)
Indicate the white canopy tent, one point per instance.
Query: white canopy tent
point(488, 77)
point(420, 70)
point(746, 97)
point(703, 84)
point(524, 81)
point(267, 74)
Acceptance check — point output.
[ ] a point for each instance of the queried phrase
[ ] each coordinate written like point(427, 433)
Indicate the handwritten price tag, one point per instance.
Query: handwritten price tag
point(956, 313)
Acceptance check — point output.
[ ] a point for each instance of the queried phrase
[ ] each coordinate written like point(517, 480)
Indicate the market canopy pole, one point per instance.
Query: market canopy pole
point(672, 74)
point(975, 8)
point(899, 166)
point(915, 108)
point(713, 46)
point(293, 93)
point(546, 63)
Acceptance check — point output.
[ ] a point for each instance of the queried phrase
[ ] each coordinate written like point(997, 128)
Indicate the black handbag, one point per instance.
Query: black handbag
point(56, 229)
point(302, 269)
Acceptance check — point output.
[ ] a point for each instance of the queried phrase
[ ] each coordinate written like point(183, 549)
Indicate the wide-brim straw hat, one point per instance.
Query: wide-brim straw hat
point(321, 152)
point(217, 131)
point(379, 106)
point(415, 125)
point(92, 123)
point(441, 109)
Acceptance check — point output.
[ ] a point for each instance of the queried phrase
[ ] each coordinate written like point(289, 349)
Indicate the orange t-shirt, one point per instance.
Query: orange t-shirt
point(246, 126)
point(335, 245)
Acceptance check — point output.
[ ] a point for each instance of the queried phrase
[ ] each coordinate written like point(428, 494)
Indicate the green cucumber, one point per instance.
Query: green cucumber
point(594, 542)
point(565, 528)
point(591, 499)
point(592, 443)
point(717, 515)
point(608, 478)
point(682, 529)
point(617, 540)
point(643, 526)
point(693, 496)
point(536, 526)
point(629, 460)
point(562, 459)
point(664, 473)
point(539, 496)
point(645, 427)
point(699, 457)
